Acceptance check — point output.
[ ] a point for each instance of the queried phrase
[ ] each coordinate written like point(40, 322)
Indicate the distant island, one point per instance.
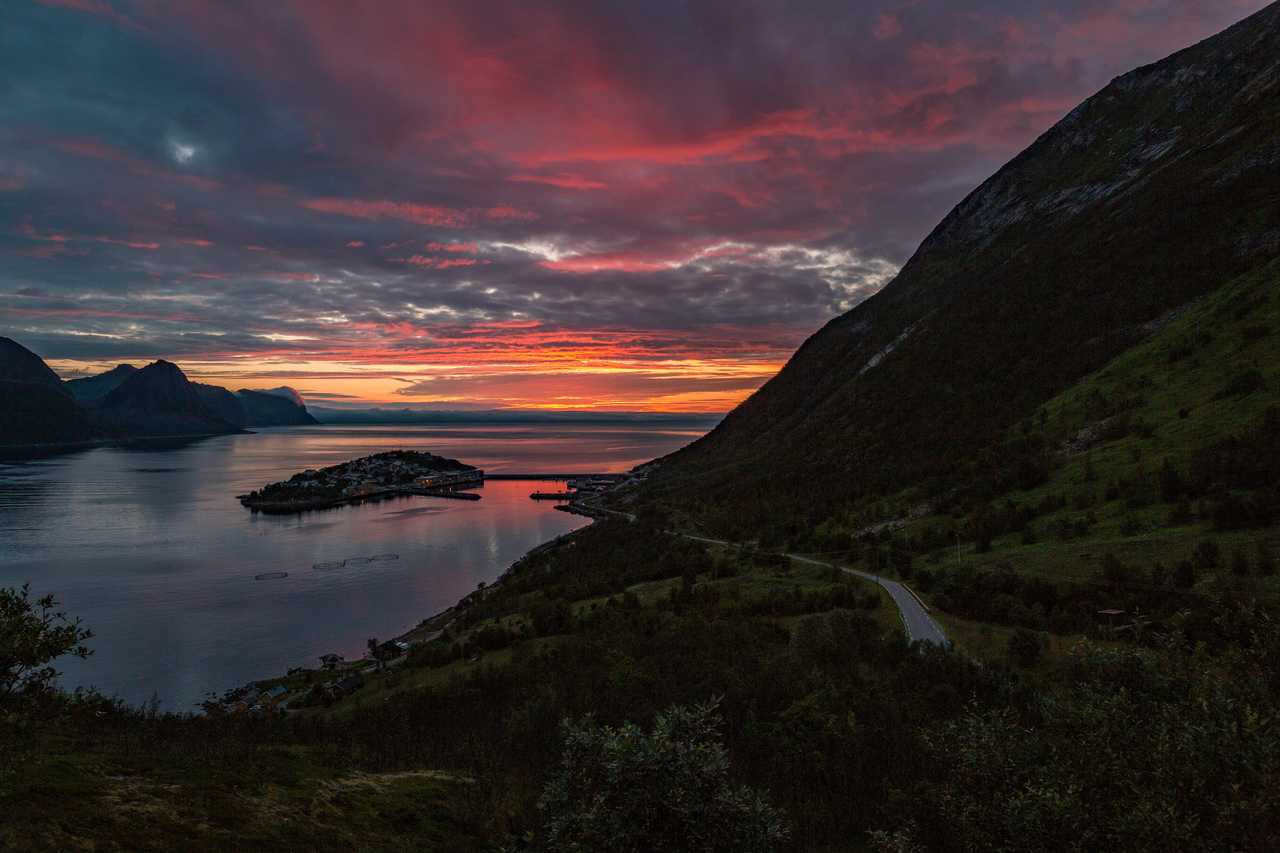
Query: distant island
point(394, 473)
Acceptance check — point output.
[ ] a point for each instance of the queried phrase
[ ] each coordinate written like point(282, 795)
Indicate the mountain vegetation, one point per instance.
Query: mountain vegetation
point(1059, 424)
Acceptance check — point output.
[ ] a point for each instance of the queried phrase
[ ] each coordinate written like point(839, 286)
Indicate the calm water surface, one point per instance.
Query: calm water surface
point(151, 549)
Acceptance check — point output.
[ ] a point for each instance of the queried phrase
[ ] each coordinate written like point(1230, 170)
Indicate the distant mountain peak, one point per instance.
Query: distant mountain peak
point(160, 400)
point(90, 388)
point(286, 392)
point(272, 408)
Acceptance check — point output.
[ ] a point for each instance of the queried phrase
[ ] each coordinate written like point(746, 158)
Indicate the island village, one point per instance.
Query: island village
point(390, 474)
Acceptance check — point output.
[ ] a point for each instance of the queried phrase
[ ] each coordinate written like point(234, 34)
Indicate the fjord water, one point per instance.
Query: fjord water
point(150, 547)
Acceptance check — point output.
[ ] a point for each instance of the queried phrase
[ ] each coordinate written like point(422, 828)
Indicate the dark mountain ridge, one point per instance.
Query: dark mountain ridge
point(271, 408)
point(35, 408)
point(90, 388)
point(246, 408)
point(158, 400)
point(19, 364)
point(221, 403)
point(1159, 189)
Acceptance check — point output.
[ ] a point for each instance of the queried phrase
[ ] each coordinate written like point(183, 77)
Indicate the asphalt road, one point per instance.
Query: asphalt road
point(916, 620)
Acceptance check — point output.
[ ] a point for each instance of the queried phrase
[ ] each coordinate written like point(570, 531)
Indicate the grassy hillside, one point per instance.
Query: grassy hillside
point(133, 783)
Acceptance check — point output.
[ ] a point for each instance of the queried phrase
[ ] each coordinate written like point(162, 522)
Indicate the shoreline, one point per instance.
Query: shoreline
point(295, 507)
point(21, 452)
point(427, 630)
point(432, 624)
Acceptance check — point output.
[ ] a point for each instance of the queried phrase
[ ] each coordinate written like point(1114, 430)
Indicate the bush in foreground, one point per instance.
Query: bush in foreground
point(624, 789)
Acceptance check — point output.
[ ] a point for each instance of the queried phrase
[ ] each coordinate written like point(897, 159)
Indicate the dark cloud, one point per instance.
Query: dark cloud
point(330, 189)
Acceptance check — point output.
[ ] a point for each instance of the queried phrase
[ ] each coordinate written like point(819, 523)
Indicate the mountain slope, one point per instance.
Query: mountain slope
point(91, 388)
point(19, 364)
point(159, 400)
point(1157, 190)
point(35, 408)
point(222, 403)
point(266, 408)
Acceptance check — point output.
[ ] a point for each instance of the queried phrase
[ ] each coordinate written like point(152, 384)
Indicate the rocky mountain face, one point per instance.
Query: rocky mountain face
point(246, 408)
point(159, 400)
point(35, 408)
point(91, 388)
point(271, 408)
point(222, 403)
point(1156, 191)
point(286, 392)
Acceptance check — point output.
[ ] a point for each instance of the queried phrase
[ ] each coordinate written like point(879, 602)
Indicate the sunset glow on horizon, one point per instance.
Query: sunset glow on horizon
point(589, 207)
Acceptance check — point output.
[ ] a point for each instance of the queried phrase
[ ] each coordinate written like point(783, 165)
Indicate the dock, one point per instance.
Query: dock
point(553, 496)
point(458, 494)
point(575, 476)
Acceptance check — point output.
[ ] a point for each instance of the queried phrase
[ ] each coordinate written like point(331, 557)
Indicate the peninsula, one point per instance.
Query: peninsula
point(397, 472)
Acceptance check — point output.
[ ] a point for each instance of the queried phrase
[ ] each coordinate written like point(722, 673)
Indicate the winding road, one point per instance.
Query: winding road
point(916, 620)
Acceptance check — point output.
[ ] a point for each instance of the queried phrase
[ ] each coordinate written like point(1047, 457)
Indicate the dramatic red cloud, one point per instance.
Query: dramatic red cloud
point(506, 211)
point(562, 180)
point(422, 214)
point(619, 262)
point(28, 230)
point(442, 263)
point(132, 244)
point(469, 248)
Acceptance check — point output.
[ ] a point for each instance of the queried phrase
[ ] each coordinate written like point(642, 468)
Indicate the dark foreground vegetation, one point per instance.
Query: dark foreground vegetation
point(632, 691)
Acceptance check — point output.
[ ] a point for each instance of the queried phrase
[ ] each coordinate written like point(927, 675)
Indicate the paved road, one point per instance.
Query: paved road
point(916, 620)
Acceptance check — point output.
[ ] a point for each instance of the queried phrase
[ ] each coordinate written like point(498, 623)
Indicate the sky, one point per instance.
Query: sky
point(480, 205)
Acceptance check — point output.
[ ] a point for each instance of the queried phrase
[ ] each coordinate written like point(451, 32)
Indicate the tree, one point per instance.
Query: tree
point(1266, 565)
point(1184, 575)
point(1171, 485)
point(626, 790)
point(33, 634)
point(1206, 555)
point(374, 652)
point(1025, 647)
point(1114, 572)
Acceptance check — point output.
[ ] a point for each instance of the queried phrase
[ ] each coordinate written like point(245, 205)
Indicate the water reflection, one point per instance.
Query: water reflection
point(149, 546)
